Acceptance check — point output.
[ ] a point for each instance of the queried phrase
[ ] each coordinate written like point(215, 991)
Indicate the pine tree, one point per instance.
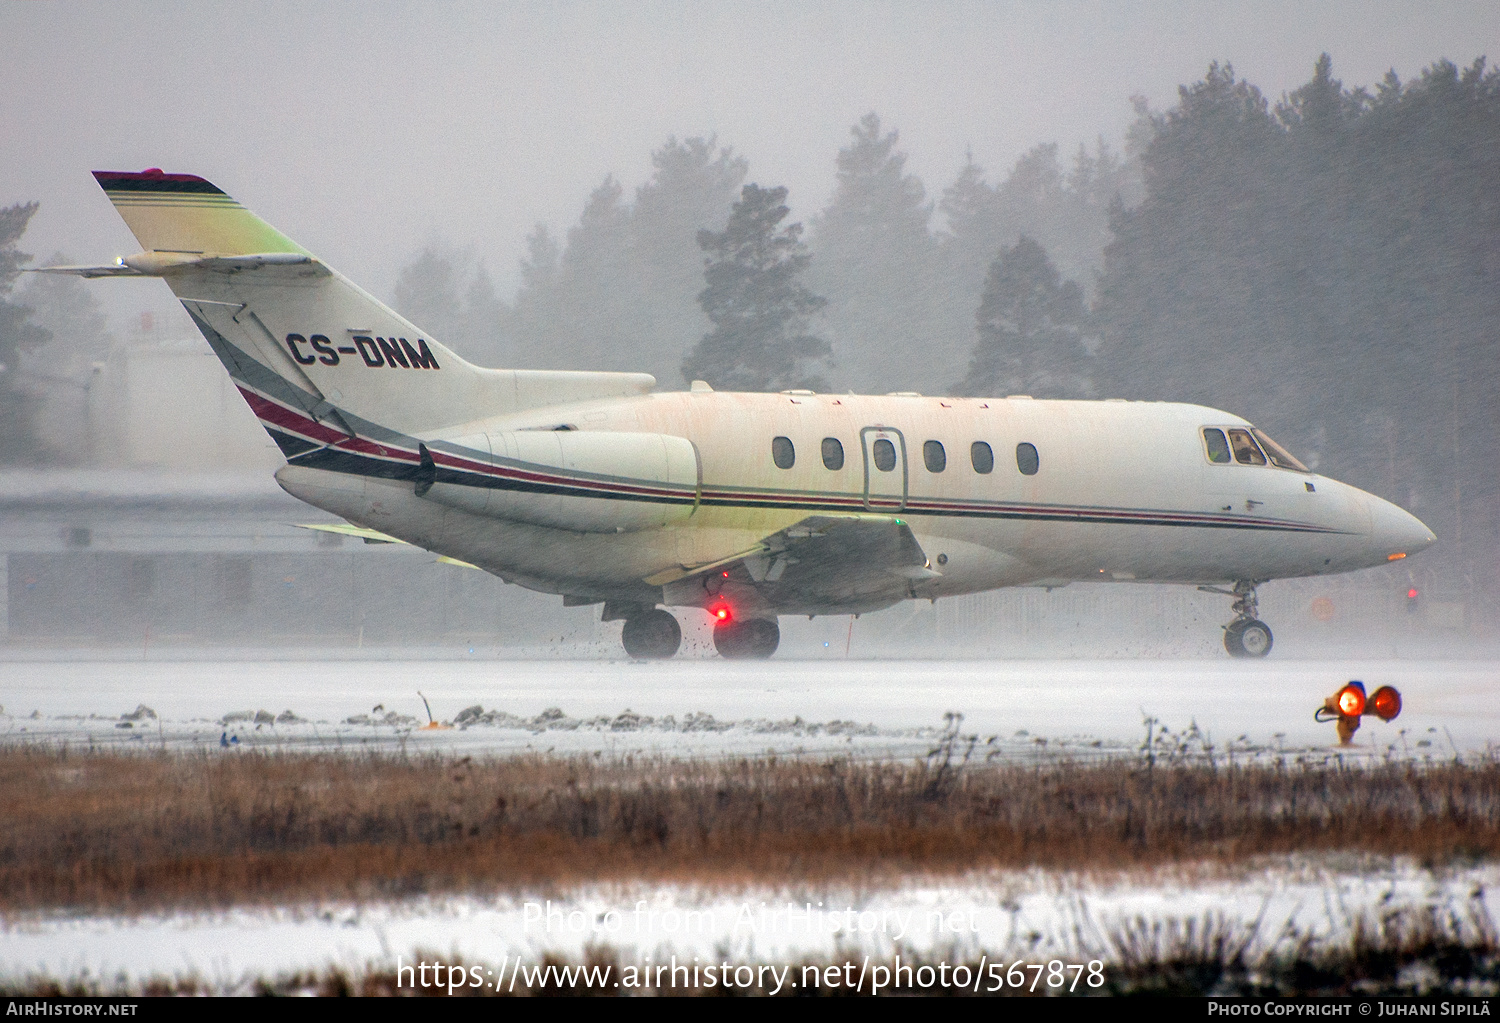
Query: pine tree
point(69, 309)
point(1031, 330)
point(876, 265)
point(970, 207)
point(621, 293)
point(450, 294)
point(426, 293)
point(756, 302)
point(1328, 269)
point(1186, 263)
point(693, 187)
point(18, 335)
point(487, 320)
point(1066, 213)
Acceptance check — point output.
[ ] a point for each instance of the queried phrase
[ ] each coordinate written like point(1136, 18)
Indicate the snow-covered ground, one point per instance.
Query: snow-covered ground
point(1033, 916)
point(707, 708)
point(869, 708)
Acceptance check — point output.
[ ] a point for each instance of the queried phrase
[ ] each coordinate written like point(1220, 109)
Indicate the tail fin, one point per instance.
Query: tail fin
point(323, 364)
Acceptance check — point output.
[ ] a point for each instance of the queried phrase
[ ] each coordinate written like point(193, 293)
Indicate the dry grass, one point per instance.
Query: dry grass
point(129, 832)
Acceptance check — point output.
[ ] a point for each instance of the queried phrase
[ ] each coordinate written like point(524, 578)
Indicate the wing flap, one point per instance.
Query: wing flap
point(832, 559)
point(851, 549)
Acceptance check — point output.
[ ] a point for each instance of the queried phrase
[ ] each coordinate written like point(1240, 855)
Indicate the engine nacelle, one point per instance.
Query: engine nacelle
point(584, 481)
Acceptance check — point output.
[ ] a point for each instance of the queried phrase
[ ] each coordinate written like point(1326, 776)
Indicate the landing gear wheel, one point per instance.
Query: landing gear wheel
point(1247, 637)
point(651, 636)
point(748, 639)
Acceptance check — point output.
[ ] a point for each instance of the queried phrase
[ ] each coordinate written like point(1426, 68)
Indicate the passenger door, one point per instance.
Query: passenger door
point(884, 451)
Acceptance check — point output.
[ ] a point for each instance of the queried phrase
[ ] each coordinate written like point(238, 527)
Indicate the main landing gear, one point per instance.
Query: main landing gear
point(747, 638)
point(651, 634)
point(1247, 635)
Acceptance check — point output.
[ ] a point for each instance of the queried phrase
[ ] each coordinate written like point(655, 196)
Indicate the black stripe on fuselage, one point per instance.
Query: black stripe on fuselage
point(333, 460)
point(1122, 517)
point(291, 446)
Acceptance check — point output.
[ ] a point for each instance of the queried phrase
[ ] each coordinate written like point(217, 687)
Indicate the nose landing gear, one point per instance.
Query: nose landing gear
point(1247, 635)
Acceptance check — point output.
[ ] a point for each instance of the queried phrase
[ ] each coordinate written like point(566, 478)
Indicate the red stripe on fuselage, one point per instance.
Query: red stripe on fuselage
point(300, 423)
point(268, 411)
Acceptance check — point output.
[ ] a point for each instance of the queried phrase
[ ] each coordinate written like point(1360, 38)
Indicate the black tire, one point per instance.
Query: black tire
point(1248, 637)
point(747, 639)
point(654, 635)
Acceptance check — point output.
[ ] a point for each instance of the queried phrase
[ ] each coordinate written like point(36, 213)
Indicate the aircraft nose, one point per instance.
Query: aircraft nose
point(1396, 531)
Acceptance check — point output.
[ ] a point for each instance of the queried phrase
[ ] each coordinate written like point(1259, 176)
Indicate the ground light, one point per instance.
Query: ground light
point(1349, 704)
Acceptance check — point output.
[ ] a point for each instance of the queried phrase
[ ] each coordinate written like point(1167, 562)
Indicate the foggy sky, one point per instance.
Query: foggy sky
point(364, 131)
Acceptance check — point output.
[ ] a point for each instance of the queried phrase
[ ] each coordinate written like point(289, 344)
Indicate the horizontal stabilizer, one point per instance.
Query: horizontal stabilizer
point(160, 264)
point(293, 263)
point(117, 269)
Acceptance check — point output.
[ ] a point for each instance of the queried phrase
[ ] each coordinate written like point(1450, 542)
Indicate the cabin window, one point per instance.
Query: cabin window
point(1027, 460)
point(833, 453)
point(1216, 445)
point(933, 456)
point(884, 453)
point(982, 457)
point(1279, 456)
point(1245, 450)
point(782, 452)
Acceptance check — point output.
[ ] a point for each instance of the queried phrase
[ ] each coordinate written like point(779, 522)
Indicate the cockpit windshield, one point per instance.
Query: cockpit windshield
point(1247, 447)
point(1278, 455)
point(1246, 452)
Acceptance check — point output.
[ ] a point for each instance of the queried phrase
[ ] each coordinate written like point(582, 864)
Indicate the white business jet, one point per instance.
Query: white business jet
point(740, 506)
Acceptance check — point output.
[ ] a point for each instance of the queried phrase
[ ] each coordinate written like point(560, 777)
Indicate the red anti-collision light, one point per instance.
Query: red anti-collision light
point(1351, 701)
point(1411, 594)
point(1386, 703)
point(721, 612)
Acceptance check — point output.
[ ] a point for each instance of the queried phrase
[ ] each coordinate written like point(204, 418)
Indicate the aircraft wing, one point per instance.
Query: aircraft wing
point(828, 561)
point(374, 536)
point(345, 529)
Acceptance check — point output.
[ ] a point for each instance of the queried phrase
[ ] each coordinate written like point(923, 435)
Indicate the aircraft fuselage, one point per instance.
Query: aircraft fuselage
point(1119, 491)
